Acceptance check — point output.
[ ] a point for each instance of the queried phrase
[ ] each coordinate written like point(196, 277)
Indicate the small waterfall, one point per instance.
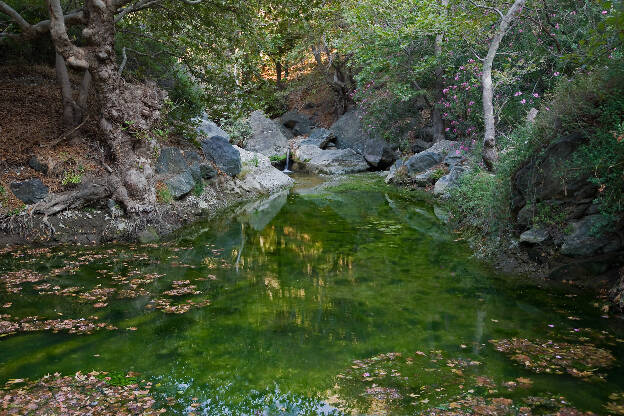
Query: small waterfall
point(286, 170)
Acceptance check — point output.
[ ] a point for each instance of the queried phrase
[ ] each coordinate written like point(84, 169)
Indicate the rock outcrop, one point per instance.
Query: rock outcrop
point(350, 134)
point(267, 137)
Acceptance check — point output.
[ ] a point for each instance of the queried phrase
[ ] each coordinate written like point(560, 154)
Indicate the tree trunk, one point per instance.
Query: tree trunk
point(126, 113)
point(83, 96)
point(62, 77)
point(436, 114)
point(490, 155)
point(286, 71)
point(278, 70)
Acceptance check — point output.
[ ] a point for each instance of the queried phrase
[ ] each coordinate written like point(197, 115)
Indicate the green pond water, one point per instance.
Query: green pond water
point(300, 287)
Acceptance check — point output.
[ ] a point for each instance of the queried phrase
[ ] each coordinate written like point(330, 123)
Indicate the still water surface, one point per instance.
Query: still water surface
point(300, 286)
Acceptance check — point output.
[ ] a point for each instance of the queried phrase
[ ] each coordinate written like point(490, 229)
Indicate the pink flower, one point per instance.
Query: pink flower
point(551, 325)
point(471, 103)
point(536, 95)
point(523, 101)
point(556, 74)
point(366, 375)
point(604, 12)
point(447, 129)
point(457, 152)
point(519, 93)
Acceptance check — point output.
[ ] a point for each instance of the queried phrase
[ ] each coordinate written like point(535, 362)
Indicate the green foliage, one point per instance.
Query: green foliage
point(480, 201)
point(277, 158)
point(198, 189)
point(73, 176)
point(163, 194)
point(238, 129)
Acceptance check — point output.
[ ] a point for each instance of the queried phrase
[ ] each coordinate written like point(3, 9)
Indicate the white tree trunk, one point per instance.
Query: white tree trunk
point(490, 154)
point(436, 114)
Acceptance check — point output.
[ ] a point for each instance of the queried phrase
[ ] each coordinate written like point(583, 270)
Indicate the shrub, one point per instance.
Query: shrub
point(163, 194)
point(238, 129)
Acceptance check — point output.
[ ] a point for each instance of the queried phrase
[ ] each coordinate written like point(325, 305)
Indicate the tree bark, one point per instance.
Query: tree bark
point(69, 105)
point(278, 70)
point(83, 97)
point(490, 154)
point(125, 111)
point(436, 114)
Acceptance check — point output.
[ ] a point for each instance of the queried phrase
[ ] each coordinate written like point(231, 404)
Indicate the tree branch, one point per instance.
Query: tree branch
point(482, 6)
point(15, 16)
point(74, 56)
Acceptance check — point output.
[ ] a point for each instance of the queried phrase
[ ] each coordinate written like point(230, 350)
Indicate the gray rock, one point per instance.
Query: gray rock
point(149, 235)
point(30, 191)
point(207, 171)
point(219, 150)
point(207, 129)
point(331, 162)
point(38, 166)
point(443, 185)
point(534, 236)
point(540, 177)
point(194, 161)
point(266, 137)
point(420, 145)
point(298, 123)
point(422, 161)
point(424, 179)
point(453, 159)
point(351, 135)
point(171, 161)
point(320, 137)
point(584, 239)
point(395, 171)
point(180, 184)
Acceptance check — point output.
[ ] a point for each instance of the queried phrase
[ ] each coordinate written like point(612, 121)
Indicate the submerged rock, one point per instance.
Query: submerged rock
point(30, 191)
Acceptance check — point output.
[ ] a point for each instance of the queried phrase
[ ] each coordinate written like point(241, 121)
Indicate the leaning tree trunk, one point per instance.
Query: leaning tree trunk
point(73, 111)
point(127, 112)
point(490, 155)
point(436, 114)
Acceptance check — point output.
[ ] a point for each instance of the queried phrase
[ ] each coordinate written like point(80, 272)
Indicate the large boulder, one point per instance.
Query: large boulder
point(266, 137)
point(351, 135)
point(208, 129)
point(446, 182)
point(540, 179)
point(586, 240)
point(296, 122)
point(422, 161)
point(331, 162)
point(171, 161)
point(320, 138)
point(180, 184)
point(30, 191)
point(225, 156)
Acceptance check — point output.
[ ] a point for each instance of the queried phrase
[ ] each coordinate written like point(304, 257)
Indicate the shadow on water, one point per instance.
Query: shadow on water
point(300, 285)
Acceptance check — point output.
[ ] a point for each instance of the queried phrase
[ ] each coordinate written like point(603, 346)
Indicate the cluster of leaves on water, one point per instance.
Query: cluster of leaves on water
point(431, 384)
point(94, 393)
point(177, 297)
point(578, 360)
